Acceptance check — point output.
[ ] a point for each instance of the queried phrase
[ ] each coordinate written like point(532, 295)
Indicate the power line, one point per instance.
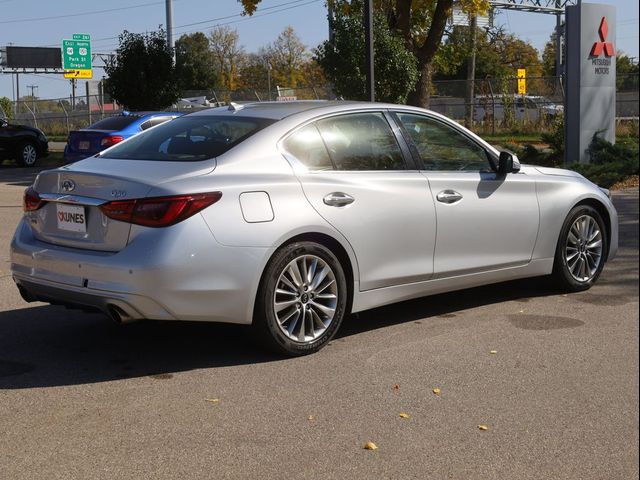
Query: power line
point(93, 12)
point(211, 20)
point(230, 22)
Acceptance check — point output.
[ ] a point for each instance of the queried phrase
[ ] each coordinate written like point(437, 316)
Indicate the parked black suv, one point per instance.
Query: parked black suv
point(25, 144)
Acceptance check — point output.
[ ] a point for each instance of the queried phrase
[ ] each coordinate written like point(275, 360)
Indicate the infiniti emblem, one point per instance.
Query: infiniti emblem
point(68, 185)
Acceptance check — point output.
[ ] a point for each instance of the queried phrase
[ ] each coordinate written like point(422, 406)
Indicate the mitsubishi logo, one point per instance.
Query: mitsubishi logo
point(68, 185)
point(603, 46)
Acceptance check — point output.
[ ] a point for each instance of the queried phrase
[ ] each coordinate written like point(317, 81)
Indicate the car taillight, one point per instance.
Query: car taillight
point(31, 200)
point(110, 140)
point(159, 211)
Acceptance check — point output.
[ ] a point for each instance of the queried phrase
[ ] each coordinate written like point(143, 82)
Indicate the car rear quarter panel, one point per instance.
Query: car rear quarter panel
point(261, 170)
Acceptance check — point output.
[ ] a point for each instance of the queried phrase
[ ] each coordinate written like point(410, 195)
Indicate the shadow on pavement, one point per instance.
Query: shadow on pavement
point(16, 176)
point(47, 346)
point(50, 346)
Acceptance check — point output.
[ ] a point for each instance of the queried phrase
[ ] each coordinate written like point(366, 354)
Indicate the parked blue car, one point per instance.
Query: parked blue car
point(111, 130)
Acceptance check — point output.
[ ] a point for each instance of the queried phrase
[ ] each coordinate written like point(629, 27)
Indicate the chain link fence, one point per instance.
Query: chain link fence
point(496, 107)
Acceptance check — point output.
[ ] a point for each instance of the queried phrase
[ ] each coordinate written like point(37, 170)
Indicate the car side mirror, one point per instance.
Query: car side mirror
point(508, 163)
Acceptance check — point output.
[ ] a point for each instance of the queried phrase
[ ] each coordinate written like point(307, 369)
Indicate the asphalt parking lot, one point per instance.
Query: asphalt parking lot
point(552, 377)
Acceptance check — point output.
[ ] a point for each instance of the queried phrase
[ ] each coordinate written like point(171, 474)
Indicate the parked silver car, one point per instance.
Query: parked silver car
point(287, 216)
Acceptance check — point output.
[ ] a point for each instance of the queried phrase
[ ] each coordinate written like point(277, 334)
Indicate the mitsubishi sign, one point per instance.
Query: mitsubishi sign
point(590, 86)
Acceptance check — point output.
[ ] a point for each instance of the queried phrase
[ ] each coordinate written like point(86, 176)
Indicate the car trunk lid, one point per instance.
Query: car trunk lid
point(87, 141)
point(71, 214)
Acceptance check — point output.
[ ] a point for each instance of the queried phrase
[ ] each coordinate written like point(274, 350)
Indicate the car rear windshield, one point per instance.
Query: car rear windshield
point(114, 123)
point(189, 138)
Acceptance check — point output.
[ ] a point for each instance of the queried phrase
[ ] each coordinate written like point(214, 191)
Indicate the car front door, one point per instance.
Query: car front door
point(354, 174)
point(486, 221)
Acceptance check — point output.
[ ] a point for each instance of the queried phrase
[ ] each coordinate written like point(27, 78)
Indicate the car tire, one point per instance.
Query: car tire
point(27, 154)
point(581, 250)
point(301, 301)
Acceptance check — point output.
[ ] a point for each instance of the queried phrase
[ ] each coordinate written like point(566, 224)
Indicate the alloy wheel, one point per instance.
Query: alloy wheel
point(29, 155)
point(583, 249)
point(305, 298)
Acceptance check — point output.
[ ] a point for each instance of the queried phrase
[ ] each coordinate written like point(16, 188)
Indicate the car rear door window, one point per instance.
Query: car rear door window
point(442, 147)
point(361, 141)
point(307, 147)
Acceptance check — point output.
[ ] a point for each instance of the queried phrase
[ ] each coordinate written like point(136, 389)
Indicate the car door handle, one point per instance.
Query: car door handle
point(338, 199)
point(449, 196)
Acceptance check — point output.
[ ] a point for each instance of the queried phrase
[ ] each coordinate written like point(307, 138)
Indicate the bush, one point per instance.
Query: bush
point(555, 138)
point(610, 163)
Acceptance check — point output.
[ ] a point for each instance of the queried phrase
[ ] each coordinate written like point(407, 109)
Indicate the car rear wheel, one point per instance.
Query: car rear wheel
point(301, 301)
point(27, 154)
point(581, 250)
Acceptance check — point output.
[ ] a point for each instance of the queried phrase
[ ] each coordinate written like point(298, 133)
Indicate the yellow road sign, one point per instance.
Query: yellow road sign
point(522, 81)
point(78, 73)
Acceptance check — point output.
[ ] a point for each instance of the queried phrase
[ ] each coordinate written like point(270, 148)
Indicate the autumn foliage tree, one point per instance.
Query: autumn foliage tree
point(420, 24)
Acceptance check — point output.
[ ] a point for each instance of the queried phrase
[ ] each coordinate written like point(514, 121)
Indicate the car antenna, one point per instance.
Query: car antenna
point(233, 107)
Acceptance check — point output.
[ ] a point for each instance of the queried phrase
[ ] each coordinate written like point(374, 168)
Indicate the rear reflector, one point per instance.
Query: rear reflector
point(159, 211)
point(31, 200)
point(110, 140)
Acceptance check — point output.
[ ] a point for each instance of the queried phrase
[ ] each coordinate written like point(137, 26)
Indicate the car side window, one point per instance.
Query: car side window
point(361, 141)
point(442, 147)
point(307, 147)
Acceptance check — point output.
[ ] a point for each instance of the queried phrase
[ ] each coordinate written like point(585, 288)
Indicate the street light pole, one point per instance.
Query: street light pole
point(169, 10)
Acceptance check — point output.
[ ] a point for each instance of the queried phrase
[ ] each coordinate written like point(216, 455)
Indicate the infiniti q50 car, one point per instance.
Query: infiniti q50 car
point(288, 216)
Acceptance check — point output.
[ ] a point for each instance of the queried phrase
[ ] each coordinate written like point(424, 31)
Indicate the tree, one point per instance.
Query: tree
point(343, 61)
point(142, 75)
point(549, 57)
point(227, 54)
point(626, 73)
point(194, 63)
point(287, 56)
point(419, 23)
point(6, 108)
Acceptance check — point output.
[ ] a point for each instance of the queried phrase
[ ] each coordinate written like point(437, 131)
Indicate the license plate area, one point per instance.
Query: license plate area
point(71, 218)
point(84, 145)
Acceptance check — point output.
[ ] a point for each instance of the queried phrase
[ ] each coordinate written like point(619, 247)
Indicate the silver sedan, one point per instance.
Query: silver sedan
point(288, 216)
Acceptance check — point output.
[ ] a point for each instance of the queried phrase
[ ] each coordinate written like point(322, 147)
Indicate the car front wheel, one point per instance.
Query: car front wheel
point(302, 299)
point(581, 250)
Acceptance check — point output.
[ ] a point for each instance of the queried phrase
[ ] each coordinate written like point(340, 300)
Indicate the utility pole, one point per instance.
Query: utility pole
point(558, 39)
point(17, 104)
point(169, 10)
point(471, 70)
point(369, 57)
point(33, 97)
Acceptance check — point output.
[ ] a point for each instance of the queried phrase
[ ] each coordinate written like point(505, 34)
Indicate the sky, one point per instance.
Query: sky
point(48, 22)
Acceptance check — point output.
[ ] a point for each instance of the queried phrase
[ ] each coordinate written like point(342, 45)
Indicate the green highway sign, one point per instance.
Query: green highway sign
point(76, 53)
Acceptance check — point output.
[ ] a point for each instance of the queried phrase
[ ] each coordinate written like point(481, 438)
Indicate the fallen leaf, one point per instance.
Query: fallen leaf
point(436, 391)
point(212, 400)
point(493, 352)
point(370, 446)
point(483, 427)
point(404, 415)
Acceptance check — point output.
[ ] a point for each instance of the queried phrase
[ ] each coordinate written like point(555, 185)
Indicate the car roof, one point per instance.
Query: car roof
point(272, 110)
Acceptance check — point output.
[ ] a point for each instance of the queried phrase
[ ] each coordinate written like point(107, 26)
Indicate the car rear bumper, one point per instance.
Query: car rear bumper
point(71, 156)
point(175, 273)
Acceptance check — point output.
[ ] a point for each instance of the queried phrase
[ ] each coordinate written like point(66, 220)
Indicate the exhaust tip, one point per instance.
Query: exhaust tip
point(118, 315)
